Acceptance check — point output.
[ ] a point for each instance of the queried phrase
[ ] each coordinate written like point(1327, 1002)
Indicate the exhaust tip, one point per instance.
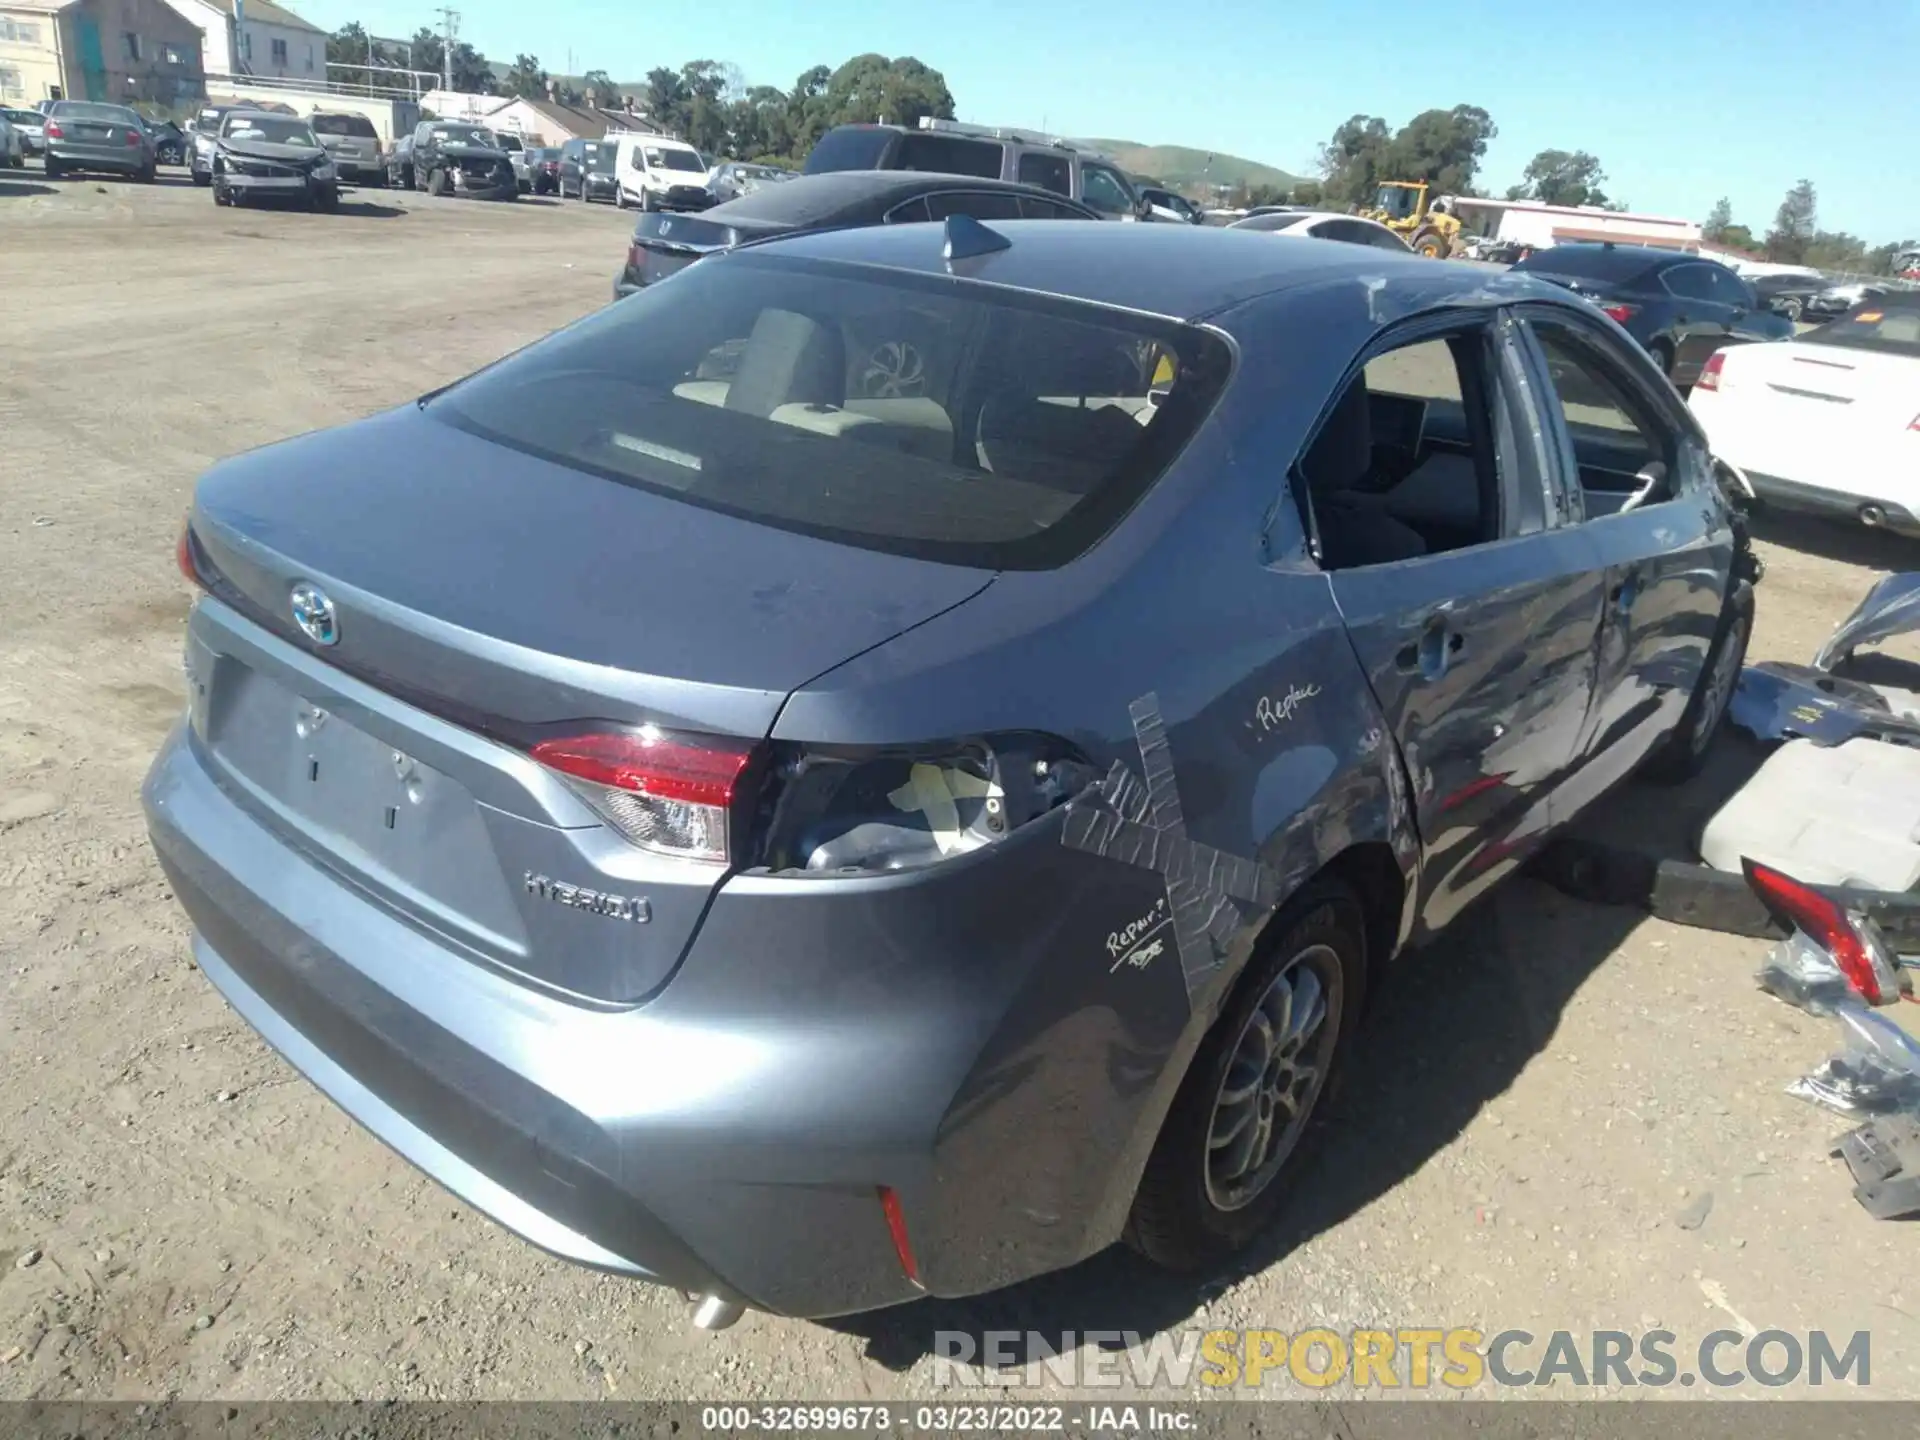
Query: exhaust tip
point(1872, 515)
point(714, 1313)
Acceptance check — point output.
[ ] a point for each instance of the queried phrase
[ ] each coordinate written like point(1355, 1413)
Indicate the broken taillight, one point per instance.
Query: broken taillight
point(897, 1228)
point(1710, 372)
point(1851, 939)
point(671, 794)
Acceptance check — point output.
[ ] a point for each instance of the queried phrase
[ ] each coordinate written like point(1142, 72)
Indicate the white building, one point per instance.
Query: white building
point(256, 37)
point(539, 122)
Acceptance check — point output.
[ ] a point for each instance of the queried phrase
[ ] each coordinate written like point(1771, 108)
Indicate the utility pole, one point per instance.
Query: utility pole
point(450, 29)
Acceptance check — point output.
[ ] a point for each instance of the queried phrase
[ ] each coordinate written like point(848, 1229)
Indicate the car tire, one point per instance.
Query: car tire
point(1686, 750)
point(201, 180)
point(54, 172)
point(437, 183)
point(220, 195)
point(1662, 355)
point(619, 198)
point(1179, 1220)
point(327, 201)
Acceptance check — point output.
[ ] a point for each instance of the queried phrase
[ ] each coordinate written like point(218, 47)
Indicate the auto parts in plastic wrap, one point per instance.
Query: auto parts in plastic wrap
point(1883, 1156)
point(1876, 1072)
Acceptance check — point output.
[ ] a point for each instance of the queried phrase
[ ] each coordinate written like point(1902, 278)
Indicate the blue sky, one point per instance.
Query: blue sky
point(1682, 102)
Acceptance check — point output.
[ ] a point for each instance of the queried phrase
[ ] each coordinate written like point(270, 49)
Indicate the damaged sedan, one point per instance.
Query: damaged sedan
point(257, 156)
point(813, 848)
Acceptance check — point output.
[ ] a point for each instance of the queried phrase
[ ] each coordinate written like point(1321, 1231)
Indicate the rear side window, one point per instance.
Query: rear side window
point(849, 147)
point(1623, 265)
point(920, 415)
point(1049, 172)
point(948, 155)
point(980, 205)
point(1034, 208)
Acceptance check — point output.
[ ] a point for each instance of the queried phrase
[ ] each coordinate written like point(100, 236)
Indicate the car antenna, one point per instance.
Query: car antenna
point(968, 239)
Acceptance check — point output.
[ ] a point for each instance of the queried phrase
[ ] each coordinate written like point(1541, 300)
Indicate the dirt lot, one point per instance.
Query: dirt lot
point(1538, 1104)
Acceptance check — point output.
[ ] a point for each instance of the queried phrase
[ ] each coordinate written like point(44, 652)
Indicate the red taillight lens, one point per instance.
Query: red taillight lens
point(1823, 922)
point(1710, 372)
point(183, 557)
point(52, 131)
point(1619, 314)
point(897, 1227)
point(671, 795)
point(133, 138)
point(636, 261)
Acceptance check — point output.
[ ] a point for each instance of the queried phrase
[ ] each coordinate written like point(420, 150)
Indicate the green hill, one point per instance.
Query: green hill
point(1179, 166)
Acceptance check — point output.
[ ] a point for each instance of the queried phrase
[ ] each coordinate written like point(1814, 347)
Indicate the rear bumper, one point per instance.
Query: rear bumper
point(117, 161)
point(728, 1137)
point(1806, 499)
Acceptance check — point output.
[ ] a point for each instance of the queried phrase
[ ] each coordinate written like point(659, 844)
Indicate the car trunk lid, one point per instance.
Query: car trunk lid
point(1796, 407)
point(483, 599)
point(663, 244)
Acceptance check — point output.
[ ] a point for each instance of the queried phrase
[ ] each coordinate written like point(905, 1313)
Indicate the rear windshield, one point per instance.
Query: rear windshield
point(915, 414)
point(848, 147)
point(86, 110)
point(1889, 324)
point(358, 126)
point(1590, 262)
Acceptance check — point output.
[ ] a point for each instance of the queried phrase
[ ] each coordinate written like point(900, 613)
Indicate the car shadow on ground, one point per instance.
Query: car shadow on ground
point(1848, 542)
point(22, 188)
point(367, 209)
point(1453, 1026)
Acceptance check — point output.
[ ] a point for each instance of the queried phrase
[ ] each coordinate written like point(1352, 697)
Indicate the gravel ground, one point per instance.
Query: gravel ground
point(1541, 1108)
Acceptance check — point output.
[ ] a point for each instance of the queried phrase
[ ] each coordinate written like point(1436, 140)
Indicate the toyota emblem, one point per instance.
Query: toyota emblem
point(313, 612)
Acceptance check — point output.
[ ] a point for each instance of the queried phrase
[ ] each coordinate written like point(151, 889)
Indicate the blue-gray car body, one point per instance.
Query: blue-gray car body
point(711, 1096)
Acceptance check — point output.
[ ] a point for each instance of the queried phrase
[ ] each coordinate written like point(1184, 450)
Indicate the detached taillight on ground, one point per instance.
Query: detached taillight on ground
point(1848, 938)
point(1619, 314)
point(673, 795)
point(1710, 372)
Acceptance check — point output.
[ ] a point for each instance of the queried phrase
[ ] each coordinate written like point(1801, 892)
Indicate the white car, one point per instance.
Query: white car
point(1828, 422)
point(1326, 225)
point(657, 173)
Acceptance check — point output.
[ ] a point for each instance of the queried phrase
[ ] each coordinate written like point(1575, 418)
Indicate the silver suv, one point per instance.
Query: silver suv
point(950, 147)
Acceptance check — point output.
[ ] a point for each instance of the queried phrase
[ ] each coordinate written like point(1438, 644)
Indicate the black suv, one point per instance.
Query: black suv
point(587, 169)
point(452, 158)
point(1680, 307)
point(948, 147)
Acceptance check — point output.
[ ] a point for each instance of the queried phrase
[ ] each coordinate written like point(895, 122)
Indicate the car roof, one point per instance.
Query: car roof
point(1639, 257)
point(807, 199)
point(1185, 272)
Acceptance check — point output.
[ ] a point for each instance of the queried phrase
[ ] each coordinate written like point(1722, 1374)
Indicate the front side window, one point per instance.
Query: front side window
point(1049, 172)
point(928, 416)
point(1102, 190)
point(1617, 443)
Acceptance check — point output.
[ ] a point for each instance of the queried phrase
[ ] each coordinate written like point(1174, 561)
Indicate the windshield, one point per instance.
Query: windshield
point(270, 130)
point(921, 415)
point(1889, 325)
point(598, 159)
point(86, 110)
point(508, 142)
point(1397, 200)
point(660, 159)
point(358, 126)
point(465, 135)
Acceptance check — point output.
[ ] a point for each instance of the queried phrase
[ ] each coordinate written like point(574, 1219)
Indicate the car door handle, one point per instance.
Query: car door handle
point(1626, 592)
point(1432, 652)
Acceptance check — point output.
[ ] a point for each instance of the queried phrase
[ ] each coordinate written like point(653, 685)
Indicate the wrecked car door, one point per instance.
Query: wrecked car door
point(1636, 482)
point(1474, 622)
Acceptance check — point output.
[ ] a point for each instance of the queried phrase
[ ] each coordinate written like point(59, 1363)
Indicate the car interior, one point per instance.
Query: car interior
point(1620, 463)
point(1404, 465)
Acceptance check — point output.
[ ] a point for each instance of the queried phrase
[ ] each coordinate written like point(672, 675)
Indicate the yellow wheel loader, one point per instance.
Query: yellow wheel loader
point(1401, 206)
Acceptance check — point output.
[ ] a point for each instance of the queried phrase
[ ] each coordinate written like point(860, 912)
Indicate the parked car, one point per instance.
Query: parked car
point(13, 146)
point(1831, 301)
point(258, 156)
point(587, 170)
point(1826, 423)
point(169, 142)
point(543, 170)
point(203, 133)
point(663, 245)
point(1788, 294)
point(452, 158)
point(658, 173)
point(730, 179)
point(400, 162)
point(948, 147)
point(729, 855)
point(1166, 205)
point(515, 149)
point(1325, 225)
point(88, 135)
point(29, 124)
point(354, 144)
point(1680, 307)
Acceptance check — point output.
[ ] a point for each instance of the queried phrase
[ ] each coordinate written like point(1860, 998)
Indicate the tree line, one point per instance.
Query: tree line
point(704, 102)
point(1796, 238)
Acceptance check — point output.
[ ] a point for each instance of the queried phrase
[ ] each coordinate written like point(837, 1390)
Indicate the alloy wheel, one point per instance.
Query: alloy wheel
point(1278, 1069)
